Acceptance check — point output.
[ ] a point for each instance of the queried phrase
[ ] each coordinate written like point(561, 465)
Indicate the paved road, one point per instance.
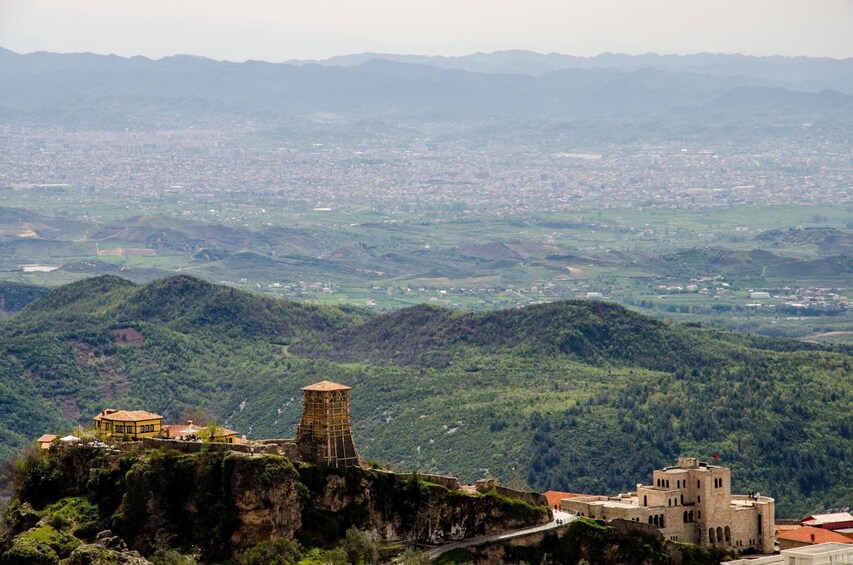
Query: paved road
point(560, 519)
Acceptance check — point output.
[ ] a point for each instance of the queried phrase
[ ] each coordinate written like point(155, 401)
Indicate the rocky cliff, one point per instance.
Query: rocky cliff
point(220, 504)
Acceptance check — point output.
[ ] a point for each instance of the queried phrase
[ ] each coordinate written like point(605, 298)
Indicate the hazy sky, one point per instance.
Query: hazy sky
point(277, 30)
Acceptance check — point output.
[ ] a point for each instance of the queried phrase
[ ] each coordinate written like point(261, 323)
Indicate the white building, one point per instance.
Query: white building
point(820, 554)
point(691, 502)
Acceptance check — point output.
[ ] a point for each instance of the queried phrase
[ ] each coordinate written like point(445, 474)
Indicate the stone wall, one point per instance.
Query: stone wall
point(284, 448)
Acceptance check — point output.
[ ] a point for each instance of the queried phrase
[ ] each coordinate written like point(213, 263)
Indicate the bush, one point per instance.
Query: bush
point(278, 551)
point(412, 557)
point(171, 557)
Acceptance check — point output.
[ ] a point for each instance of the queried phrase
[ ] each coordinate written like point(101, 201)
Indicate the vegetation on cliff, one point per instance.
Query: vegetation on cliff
point(575, 396)
point(222, 505)
point(587, 541)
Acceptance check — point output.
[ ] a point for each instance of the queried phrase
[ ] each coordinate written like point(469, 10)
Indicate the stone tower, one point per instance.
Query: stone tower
point(324, 435)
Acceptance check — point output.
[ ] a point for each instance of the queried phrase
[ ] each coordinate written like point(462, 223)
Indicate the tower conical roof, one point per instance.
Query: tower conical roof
point(326, 385)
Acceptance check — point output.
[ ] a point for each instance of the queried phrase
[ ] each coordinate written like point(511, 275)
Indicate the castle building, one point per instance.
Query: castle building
point(324, 435)
point(690, 502)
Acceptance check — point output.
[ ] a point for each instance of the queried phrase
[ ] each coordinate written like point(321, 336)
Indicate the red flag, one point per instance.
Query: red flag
point(714, 457)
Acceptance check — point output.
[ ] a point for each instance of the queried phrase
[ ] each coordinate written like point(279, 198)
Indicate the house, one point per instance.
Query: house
point(808, 535)
point(191, 430)
point(690, 502)
point(45, 440)
point(833, 521)
point(130, 424)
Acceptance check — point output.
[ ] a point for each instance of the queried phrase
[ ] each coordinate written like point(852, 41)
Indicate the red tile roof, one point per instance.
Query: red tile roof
point(47, 438)
point(828, 519)
point(555, 496)
point(807, 534)
point(127, 415)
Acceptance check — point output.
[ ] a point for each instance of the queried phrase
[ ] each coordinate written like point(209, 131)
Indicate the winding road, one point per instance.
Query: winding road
point(560, 519)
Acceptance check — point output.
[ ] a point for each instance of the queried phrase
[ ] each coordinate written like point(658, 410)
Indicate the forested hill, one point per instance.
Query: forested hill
point(578, 396)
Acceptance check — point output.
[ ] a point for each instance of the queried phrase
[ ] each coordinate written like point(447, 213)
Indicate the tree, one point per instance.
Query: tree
point(360, 548)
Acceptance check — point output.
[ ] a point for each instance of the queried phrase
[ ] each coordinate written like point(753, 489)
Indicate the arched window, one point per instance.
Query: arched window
point(698, 498)
point(698, 483)
point(650, 519)
point(728, 535)
point(711, 535)
point(759, 524)
point(657, 523)
point(719, 534)
point(698, 514)
point(685, 516)
point(645, 500)
point(669, 502)
point(667, 483)
point(682, 500)
point(661, 521)
point(690, 516)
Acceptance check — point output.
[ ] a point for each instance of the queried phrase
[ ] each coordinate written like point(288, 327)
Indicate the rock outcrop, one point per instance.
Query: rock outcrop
point(219, 504)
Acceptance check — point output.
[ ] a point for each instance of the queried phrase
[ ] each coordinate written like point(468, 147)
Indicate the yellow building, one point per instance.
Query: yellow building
point(133, 424)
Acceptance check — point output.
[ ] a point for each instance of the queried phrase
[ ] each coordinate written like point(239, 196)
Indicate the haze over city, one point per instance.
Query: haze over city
point(278, 31)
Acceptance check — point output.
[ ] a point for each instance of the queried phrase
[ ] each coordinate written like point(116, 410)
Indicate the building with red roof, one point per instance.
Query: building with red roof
point(808, 535)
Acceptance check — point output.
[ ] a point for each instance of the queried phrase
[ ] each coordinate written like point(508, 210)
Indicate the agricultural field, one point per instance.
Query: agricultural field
point(775, 270)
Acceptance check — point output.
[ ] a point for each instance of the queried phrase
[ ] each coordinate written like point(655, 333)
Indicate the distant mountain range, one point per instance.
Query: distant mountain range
point(96, 91)
point(800, 73)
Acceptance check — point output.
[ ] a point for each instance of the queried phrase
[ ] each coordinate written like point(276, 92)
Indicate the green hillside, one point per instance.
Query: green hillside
point(579, 396)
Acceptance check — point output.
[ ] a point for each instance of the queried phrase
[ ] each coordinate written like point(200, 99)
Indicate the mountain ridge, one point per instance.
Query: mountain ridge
point(547, 394)
point(108, 92)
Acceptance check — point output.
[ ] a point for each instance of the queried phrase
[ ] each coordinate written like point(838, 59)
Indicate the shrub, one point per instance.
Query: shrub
point(277, 551)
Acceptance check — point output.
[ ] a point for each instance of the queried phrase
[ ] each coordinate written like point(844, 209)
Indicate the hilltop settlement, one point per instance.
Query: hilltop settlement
point(690, 502)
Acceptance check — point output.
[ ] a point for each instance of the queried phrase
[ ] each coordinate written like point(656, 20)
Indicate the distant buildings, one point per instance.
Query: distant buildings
point(691, 502)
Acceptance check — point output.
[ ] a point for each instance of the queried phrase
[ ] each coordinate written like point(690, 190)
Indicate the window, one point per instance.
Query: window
point(698, 498)
point(698, 483)
point(759, 524)
point(119, 429)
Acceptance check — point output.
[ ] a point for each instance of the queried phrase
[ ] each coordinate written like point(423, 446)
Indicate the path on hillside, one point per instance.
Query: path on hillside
point(560, 519)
